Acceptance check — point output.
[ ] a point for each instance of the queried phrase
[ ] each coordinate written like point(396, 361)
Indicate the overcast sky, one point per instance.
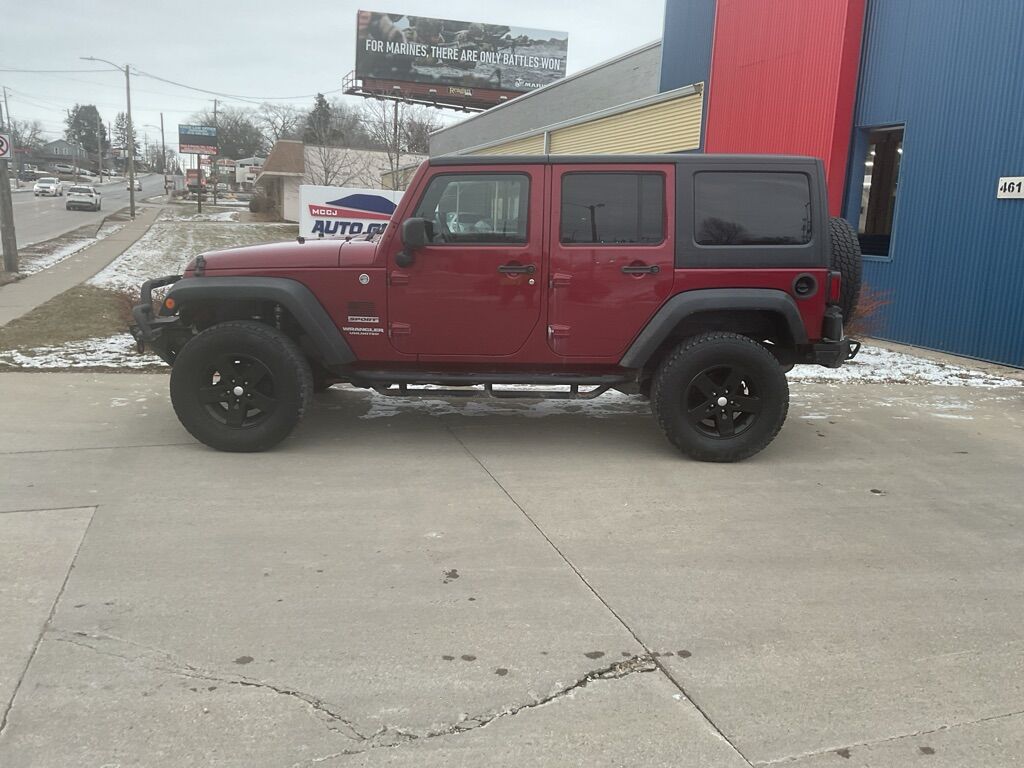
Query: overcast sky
point(257, 48)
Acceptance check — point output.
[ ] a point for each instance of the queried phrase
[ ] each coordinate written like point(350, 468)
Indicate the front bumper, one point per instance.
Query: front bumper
point(157, 333)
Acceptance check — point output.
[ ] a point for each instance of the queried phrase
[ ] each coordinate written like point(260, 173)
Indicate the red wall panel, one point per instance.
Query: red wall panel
point(784, 80)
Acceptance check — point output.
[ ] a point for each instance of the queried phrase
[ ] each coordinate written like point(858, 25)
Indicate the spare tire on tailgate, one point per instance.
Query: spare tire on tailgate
point(846, 259)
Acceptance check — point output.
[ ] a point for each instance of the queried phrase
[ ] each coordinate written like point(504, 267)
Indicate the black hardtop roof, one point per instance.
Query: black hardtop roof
point(680, 159)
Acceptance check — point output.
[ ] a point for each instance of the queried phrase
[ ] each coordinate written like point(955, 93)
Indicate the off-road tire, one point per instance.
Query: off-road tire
point(285, 379)
point(846, 259)
point(708, 357)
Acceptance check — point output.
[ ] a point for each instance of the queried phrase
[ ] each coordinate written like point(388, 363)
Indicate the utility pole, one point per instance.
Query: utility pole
point(131, 131)
point(216, 157)
point(99, 143)
point(394, 171)
point(131, 143)
point(163, 152)
point(7, 236)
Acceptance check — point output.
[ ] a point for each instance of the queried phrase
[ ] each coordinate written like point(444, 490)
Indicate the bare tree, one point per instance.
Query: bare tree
point(27, 134)
point(417, 123)
point(338, 166)
point(280, 121)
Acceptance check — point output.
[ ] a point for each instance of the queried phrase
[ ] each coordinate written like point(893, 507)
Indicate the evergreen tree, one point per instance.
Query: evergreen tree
point(82, 126)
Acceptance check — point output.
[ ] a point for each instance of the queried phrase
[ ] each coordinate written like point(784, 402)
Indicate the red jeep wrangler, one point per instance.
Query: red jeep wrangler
point(694, 280)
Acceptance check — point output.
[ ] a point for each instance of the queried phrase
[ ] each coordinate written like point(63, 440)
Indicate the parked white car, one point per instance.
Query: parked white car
point(83, 197)
point(138, 185)
point(64, 168)
point(48, 186)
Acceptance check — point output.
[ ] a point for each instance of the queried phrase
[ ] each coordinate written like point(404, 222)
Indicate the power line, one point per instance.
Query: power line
point(49, 71)
point(253, 99)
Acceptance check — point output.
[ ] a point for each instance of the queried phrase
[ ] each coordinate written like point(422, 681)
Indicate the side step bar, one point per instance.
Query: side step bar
point(574, 393)
point(425, 384)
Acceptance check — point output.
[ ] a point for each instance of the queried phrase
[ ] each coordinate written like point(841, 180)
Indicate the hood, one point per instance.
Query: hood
point(286, 255)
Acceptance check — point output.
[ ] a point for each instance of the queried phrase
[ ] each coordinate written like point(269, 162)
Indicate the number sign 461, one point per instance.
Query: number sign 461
point(1011, 187)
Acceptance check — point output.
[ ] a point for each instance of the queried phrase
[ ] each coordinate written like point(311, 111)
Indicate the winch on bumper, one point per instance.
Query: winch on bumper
point(158, 333)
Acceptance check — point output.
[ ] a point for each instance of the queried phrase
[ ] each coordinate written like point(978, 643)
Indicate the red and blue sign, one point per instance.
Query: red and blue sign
point(360, 212)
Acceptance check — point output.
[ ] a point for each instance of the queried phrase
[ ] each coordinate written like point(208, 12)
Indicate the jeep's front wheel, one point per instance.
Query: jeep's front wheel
point(720, 397)
point(240, 386)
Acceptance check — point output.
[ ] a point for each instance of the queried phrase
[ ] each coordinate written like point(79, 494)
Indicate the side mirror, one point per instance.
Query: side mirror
point(414, 233)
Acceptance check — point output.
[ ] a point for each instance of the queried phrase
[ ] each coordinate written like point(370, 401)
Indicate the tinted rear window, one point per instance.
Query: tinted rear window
point(613, 208)
point(747, 208)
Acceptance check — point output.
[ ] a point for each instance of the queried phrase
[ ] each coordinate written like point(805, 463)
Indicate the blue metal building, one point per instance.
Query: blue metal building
point(951, 74)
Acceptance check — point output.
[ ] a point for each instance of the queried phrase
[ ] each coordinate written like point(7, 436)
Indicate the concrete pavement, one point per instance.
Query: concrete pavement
point(17, 299)
point(483, 588)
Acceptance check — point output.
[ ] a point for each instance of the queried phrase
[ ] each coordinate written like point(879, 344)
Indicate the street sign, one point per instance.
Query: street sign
point(5, 146)
point(197, 139)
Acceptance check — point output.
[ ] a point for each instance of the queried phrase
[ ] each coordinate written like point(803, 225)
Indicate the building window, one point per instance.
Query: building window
point(744, 208)
point(878, 197)
point(477, 208)
point(613, 208)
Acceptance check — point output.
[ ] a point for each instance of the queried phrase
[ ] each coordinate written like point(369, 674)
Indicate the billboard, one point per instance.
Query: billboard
point(197, 140)
point(457, 55)
point(344, 211)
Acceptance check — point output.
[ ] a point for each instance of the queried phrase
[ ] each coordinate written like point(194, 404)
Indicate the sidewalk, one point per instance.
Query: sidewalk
point(20, 298)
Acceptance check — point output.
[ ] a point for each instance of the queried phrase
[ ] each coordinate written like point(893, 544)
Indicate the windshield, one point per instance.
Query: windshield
point(47, 180)
point(81, 190)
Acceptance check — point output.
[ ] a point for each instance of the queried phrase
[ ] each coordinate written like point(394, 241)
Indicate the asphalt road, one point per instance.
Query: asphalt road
point(40, 218)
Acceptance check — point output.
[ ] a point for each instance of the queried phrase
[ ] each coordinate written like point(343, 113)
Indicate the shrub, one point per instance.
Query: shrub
point(868, 316)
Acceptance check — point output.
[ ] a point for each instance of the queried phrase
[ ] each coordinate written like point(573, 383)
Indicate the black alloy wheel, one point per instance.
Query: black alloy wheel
point(720, 396)
point(723, 401)
point(240, 392)
point(241, 386)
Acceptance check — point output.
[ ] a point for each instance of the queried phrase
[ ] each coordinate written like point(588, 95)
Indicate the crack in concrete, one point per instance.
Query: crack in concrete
point(391, 736)
point(387, 736)
point(887, 739)
point(160, 660)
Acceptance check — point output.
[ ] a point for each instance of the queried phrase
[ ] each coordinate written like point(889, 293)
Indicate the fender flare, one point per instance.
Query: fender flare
point(308, 312)
point(681, 306)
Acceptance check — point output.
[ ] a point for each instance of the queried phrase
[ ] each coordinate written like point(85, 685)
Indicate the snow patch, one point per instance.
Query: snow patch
point(114, 352)
point(875, 365)
point(33, 264)
point(219, 216)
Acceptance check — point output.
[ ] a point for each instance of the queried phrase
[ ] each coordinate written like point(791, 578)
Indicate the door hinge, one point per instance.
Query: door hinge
point(559, 331)
point(399, 329)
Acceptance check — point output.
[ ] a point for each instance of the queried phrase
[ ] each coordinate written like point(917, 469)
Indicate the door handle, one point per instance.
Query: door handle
point(651, 270)
point(517, 269)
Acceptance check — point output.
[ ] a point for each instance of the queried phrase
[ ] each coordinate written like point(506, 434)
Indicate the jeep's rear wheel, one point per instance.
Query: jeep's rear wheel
point(720, 397)
point(240, 386)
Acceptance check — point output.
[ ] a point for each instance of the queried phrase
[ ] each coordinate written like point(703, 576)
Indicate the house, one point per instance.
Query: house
point(292, 163)
point(62, 151)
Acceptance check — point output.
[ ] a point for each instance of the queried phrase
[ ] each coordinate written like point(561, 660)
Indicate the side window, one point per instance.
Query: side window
point(748, 208)
point(613, 208)
point(477, 207)
point(878, 197)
